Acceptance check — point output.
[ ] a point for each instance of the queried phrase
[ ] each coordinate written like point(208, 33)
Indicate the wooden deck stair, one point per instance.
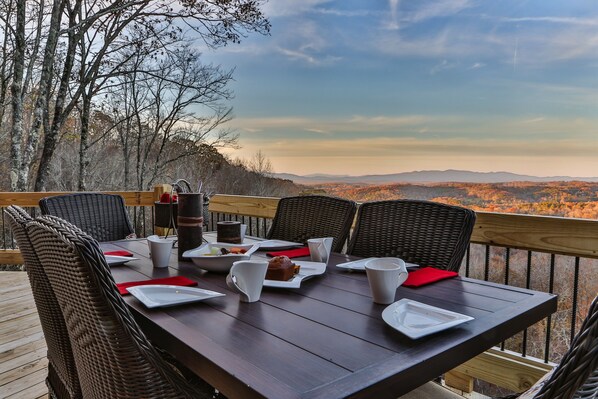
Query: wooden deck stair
point(23, 362)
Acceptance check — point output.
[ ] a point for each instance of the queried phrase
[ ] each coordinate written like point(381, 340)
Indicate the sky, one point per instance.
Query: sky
point(385, 86)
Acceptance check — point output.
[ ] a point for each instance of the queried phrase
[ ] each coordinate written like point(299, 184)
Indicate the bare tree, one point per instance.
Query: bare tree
point(168, 110)
point(217, 23)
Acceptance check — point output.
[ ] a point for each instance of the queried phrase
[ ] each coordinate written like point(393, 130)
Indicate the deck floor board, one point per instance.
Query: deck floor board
point(23, 362)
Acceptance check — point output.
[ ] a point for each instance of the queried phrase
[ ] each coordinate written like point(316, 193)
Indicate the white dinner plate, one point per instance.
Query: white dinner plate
point(360, 264)
point(114, 260)
point(306, 270)
point(154, 296)
point(416, 319)
point(277, 245)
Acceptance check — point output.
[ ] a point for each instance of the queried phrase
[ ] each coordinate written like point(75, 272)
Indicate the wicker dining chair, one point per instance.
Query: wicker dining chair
point(103, 216)
point(62, 380)
point(576, 375)
point(422, 232)
point(113, 356)
point(312, 216)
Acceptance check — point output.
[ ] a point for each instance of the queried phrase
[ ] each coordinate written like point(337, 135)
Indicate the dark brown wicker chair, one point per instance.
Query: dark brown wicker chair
point(62, 380)
point(422, 232)
point(311, 216)
point(103, 216)
point(113, 357)
point(576, 376)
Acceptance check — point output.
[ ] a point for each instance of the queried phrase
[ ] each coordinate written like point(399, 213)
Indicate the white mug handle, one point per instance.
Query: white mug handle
point(403, 277)
point(231, 281)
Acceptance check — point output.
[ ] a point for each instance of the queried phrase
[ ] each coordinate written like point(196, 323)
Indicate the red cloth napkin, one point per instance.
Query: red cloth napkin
point(177, 280)
point(427, 275)
point(118, 253)
point(291, 253)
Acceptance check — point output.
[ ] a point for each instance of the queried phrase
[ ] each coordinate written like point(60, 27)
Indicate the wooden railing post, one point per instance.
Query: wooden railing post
point(158, 191)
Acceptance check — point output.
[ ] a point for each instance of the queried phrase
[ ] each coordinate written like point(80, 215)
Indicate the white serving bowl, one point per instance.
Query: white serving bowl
point(203, 256)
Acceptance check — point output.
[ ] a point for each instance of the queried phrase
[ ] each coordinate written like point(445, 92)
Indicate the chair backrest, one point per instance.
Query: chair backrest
point(312, 216)
point(422, 232)
point(62, 380)
point(103, 216)
point(576, 376)
point(113, 357)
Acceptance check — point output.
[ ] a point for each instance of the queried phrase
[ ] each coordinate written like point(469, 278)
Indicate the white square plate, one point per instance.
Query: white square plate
point(360, 264)
point(154, 296)
point(306, 270)
point(114, 260)
point(416, 319)
point(277, 245)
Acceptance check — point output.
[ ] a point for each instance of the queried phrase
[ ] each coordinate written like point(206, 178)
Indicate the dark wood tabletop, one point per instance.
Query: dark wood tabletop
point(326, 339)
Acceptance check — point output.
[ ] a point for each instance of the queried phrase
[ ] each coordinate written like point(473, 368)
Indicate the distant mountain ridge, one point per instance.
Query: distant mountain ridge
point(429, 176)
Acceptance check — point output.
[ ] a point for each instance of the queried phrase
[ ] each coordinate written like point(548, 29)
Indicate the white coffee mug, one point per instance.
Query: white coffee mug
point(319, 249)
point(385, 275)
point(160, 250)
point(246, 277)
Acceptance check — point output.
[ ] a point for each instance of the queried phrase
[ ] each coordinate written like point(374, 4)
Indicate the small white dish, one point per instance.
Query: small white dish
point(207, 256)
point(277, 245)
point(416, 319)
point(306, 270)
point(360, 264)
point(153, 296)
point(114, 260)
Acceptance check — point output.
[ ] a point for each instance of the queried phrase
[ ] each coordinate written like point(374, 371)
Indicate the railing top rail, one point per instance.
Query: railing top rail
point(558, 235)
point(566, 236)
point(31, 199)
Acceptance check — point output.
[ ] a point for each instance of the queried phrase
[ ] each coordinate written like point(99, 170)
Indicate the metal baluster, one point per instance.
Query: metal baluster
point(143, 218)
point(153, 219)
point(507, 267)
point(467, 260)
point(487, 263)
point(3, 228)
point(527, 285)
point(549, 318)
point(574, 306)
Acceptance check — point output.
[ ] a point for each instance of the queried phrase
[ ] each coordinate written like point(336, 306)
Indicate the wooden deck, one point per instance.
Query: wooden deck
point(23, 362)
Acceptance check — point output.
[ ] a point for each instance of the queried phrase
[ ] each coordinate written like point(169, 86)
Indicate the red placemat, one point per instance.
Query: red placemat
point(118, 253)
point(177, 280)
point(291, 253)
point(427, 275)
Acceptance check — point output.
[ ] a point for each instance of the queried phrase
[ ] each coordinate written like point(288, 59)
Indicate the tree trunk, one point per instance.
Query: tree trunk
point(51, 136)
point(17, 99)
point(84, 143)
point(41, 115)
point(3, 69)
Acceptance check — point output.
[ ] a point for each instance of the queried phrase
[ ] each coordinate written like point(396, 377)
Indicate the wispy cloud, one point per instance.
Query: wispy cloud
point(437, 8)
point(393, 24)
point(285, 8)
point(467, 127)
point(555, 20)
point(319, 131)
point(442, 66)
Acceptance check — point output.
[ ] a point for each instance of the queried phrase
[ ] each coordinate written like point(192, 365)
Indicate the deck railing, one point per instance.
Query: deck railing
point(557, 255)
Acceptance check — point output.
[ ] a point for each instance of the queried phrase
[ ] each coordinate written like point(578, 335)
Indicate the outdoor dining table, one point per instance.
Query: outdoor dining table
point(326, 339)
